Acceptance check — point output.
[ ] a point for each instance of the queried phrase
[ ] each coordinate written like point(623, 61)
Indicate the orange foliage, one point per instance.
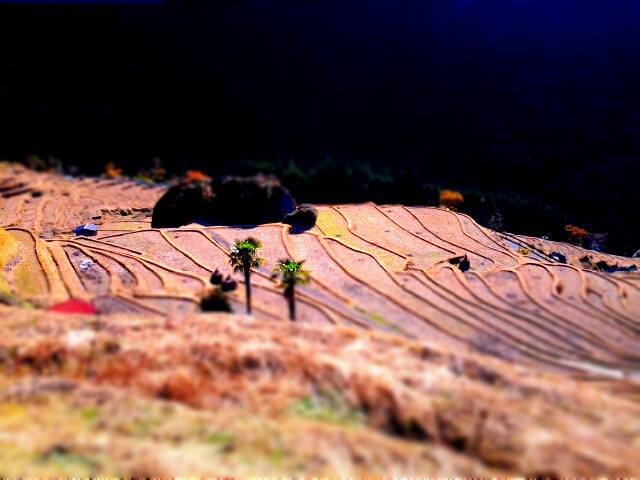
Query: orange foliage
point(451, 198)
point(196, 176)
point(575, 232)
point(111, 171)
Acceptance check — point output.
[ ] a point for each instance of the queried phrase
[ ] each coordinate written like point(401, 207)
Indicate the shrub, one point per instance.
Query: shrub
point(576, 234)
point(303, 218)
point(451, 199)
point(215, 301)
point(250, 201)
point(196, 176)
point(183, 204)
point(111, 171)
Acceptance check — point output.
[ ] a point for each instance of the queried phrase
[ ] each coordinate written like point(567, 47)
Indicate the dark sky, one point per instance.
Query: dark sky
point(535, 87)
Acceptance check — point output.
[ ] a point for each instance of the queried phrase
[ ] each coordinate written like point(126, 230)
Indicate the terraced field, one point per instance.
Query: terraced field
point(387, 322)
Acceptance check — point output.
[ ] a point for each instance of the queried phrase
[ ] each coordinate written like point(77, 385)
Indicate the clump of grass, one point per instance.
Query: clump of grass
point(9, 299)
point(144, 177)
point(9, 248)
point(90, 414)
point(64, 460)
point(380, 320)
point(145, 425)
point(224, 441)
point(156, 174)
point(39, 164)
point(330, 407)
point(6, 298)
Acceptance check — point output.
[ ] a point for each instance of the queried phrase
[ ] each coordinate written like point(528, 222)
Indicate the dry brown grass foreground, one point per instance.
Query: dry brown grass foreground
point(227, 395)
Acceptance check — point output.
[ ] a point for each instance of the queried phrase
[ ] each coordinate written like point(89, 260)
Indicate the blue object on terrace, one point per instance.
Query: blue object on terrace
point(558, 257)
point(87, 230)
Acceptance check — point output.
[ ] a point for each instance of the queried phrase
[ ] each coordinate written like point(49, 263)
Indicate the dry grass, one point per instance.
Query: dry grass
point(499, 416)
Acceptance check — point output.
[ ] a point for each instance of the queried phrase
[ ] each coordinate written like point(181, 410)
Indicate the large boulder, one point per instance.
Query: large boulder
point(182, 204)
point(251, 201)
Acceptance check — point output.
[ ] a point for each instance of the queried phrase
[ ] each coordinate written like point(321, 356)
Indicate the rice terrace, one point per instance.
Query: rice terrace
point(305, 239)
point(393, 341)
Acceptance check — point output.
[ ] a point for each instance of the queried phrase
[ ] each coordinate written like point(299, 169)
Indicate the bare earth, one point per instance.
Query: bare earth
point(400, 364)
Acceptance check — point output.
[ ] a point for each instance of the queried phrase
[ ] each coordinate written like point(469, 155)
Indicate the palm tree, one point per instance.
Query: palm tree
point(291, 274)
point(244, 257)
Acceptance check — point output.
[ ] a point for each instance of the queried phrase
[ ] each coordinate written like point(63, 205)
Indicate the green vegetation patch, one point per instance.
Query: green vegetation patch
point(222, 440)
point(65, 461)
point(329, 407)
point(90, 414)
point(379, 320)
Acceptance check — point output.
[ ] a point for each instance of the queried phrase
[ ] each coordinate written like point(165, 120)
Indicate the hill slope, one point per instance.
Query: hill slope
point(393, 345)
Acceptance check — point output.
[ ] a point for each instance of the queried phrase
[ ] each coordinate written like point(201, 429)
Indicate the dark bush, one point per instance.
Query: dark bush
point(250, 200)
point(215, 301)
point(233, 201)
point(302, 218)
point(216, 278)
point(182, 204)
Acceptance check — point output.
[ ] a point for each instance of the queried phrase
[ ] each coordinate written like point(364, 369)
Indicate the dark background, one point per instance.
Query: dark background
point(535, 104)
